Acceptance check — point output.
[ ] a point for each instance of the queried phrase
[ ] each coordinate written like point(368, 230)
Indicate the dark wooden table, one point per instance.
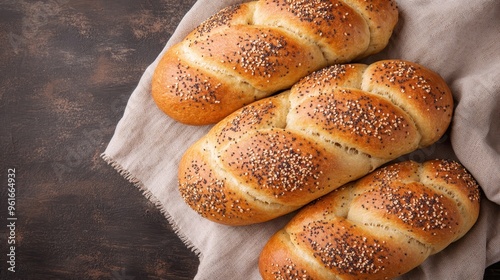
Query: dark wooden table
point(67, 70)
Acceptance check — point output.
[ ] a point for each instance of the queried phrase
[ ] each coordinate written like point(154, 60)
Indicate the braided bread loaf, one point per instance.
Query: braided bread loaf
point(338, 124)
point(252, 50)
point(378, 227)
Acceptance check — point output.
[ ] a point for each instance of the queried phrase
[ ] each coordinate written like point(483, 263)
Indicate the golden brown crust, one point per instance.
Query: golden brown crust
point(279, 164)
point(267, 58)
point(380, 16)
point(368, 123)
point(421, 92)
point(281, 262)
point(249, 51)
point(378, 227)
point(218, 198)
point(234, 15)
point(286, 168)
point(339, 31)
point(452, 181)
point(324, 80)
point(185, 91)
point(287, 150)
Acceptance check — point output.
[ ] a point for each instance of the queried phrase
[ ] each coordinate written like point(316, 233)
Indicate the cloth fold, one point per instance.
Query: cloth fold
point(457, 39)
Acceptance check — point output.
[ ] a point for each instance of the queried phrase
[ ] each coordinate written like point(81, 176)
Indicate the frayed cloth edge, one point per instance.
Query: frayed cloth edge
point(148, 195)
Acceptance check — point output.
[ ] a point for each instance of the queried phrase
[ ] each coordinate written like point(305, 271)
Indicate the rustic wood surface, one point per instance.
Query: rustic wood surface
point(67, 69)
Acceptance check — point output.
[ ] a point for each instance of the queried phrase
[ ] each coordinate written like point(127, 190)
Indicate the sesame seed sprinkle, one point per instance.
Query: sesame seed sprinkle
point(207, 194)
point(193, 87)
point(277, 165)
point(452, 172)
point(407, 76)
point(358, 115)
point(310, 11)
point(220, 18)
point(339, 248)
point(421, 210)
point(289, 271)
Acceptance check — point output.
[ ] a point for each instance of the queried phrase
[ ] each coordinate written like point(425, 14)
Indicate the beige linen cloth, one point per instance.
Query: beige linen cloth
point(458, 39)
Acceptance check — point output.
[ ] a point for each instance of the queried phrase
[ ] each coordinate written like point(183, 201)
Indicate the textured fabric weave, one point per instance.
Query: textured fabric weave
point(458, 39)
